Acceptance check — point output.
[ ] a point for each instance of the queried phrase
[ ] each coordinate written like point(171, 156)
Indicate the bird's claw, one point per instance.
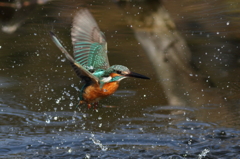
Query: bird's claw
point(95, 106)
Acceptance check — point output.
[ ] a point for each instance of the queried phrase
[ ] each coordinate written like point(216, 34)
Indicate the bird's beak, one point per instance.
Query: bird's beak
point(136, 75)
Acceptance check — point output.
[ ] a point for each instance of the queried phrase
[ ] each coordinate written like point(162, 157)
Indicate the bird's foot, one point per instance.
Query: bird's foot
point(89, 106)
point(95, 106)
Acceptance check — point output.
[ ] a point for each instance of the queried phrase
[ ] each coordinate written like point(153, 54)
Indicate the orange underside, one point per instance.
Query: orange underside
point(94, 93)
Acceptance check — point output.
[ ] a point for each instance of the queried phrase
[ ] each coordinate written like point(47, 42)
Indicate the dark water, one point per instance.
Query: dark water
point(39, 92)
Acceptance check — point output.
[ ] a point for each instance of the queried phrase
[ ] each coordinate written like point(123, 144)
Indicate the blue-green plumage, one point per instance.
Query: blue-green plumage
point(91, 61)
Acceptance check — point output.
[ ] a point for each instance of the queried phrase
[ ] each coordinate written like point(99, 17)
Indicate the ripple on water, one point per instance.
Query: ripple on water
point(58, 118)
point(160, 131)
point(124, 93)
point(6, 82)
point(17, 121)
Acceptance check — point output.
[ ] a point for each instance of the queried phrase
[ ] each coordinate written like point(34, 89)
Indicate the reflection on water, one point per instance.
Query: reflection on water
point(39, 92)
point(14, 13)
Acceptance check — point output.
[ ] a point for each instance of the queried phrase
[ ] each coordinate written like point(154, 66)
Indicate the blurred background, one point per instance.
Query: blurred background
point(39, 89)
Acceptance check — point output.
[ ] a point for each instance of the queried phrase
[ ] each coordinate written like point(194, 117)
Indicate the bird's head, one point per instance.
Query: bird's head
point(119, 72)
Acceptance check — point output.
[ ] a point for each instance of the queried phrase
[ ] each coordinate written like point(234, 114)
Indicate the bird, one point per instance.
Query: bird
point(90, 61)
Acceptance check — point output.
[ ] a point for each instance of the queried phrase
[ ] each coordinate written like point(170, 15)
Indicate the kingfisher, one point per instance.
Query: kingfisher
point(90, 60)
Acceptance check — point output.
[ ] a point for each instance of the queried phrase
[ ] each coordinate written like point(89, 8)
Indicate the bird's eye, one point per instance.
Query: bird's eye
point(118, 72)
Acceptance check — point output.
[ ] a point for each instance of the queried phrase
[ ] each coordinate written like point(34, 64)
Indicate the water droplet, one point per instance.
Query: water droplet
point(48, 121)
point(58, 100)
point(88, 155)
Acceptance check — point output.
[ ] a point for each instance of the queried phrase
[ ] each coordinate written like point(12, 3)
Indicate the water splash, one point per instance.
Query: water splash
point(98, 142)
point(203, 154)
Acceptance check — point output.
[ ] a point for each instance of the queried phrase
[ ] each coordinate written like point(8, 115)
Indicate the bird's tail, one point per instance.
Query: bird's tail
point(59, 45)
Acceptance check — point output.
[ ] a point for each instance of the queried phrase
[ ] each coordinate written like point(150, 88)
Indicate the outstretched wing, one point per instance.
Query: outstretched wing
point(89, 44)
point(81, 72)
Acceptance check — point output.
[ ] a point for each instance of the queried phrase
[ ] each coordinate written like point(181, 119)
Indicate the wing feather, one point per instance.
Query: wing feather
point(81, 72)
point(89, 42)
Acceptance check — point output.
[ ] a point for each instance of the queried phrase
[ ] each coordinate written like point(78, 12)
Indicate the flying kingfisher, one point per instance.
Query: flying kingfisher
point(91, 61)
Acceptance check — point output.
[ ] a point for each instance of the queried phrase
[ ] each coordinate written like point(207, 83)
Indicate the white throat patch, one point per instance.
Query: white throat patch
point(106, 79)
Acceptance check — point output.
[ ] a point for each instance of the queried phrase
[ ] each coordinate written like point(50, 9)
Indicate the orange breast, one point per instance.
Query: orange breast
point(93, 93)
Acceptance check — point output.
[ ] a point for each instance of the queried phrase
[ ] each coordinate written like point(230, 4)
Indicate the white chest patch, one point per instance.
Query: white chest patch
point(106, 79)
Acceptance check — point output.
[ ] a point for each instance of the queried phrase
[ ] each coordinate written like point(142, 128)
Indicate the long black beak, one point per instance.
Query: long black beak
point(136, 75)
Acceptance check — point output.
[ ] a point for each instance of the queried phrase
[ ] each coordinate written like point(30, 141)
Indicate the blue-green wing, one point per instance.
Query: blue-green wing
point(89, 44)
